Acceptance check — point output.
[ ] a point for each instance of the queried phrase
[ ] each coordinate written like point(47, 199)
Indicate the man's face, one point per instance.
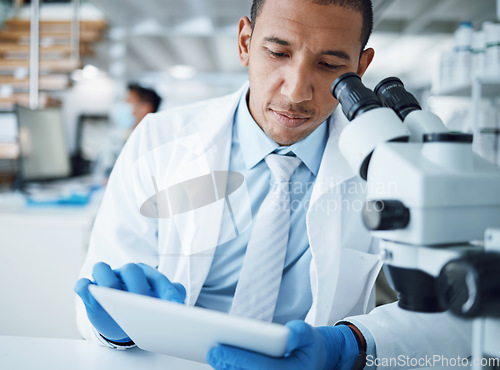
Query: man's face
point(139, 108)
point(296, 51)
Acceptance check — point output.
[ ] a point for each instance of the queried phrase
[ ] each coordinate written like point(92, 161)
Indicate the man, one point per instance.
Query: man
point(294, 50)
point(143, 101)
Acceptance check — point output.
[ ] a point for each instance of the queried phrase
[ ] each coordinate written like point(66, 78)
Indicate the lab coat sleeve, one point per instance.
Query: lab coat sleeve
point(120, 233)
point(404, 338)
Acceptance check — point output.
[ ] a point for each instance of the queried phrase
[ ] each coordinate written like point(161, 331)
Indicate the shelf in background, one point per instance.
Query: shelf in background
point(490, 87)
point(494, 131)
point(464, 90)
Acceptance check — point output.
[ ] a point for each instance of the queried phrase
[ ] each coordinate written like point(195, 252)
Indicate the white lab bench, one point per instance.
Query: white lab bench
point(42, 249)
point(20, 353)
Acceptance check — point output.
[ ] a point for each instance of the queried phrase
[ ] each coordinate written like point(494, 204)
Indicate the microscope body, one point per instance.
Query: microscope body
point(430, 200)
point(452, 194)
point(447, 204)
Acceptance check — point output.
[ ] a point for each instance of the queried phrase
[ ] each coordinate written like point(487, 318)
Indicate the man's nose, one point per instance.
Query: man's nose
point(297, 83)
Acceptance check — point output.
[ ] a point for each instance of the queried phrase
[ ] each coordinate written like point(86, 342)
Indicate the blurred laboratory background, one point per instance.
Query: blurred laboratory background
point(64, 71)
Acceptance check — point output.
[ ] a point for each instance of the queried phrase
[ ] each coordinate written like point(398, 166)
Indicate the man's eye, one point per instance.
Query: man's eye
point(329, 66)
point(277, 55)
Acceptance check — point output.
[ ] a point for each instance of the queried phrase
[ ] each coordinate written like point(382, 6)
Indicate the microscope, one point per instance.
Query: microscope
point(431, 201)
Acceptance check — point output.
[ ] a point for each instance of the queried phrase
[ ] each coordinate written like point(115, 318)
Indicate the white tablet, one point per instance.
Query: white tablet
point(178, 330)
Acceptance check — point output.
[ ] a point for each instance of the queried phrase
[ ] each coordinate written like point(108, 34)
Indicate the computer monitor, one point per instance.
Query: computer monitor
point(42, 143)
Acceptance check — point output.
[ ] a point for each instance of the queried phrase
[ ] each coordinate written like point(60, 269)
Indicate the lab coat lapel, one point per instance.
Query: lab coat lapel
point(324, 224)
point(334, 169)
point(213, 130)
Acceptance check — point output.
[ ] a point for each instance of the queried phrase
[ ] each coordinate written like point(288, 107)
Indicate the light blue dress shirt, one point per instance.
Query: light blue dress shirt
point(250, 145)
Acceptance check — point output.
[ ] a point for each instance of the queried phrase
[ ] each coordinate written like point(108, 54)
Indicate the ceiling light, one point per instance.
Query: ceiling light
point(182, 72)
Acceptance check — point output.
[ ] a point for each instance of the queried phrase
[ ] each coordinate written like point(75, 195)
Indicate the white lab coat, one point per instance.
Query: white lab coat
point(186, 142)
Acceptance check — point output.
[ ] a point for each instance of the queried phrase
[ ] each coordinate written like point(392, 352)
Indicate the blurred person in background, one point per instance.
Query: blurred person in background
point(126, 115)
point(143, 101)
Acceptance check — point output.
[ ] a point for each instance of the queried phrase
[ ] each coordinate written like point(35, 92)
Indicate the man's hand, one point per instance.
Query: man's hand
point(329, 347)
point(136, 278)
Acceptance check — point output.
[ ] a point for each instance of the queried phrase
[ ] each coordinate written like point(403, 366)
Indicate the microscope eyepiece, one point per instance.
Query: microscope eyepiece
point(392, 94)
point(354, 97)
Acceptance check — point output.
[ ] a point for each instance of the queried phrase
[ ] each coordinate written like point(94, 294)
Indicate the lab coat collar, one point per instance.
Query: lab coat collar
point(213, 127)
point(325, 208)
point(334, 169)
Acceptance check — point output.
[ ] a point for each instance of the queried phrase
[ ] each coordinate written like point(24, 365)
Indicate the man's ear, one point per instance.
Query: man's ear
point(365, 60)
point(244, 36)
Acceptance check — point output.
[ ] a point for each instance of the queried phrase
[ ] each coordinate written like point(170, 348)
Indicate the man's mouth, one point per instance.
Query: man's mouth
point(289, 119)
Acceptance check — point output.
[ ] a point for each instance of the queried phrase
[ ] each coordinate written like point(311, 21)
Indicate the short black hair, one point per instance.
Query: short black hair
point(146, 95)
point(365, 7)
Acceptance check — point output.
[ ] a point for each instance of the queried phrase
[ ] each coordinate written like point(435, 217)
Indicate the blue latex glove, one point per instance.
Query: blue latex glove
point(327, 347)
point(136, 278)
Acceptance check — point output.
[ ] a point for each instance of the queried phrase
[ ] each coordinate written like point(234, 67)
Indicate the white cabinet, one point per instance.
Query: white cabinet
point(41, 252)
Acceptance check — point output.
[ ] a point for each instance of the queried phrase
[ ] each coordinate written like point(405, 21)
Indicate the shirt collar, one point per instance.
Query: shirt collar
point(256, 145)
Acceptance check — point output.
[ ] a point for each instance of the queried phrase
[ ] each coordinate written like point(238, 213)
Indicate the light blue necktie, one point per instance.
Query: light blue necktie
point(260, 277)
